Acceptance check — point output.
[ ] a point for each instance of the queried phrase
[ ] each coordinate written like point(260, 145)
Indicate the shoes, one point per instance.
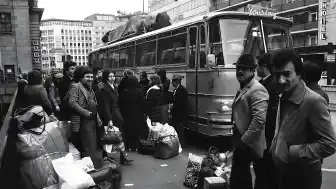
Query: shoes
point(124, 160)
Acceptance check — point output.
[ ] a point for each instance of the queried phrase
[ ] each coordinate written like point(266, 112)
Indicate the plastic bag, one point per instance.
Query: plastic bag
point(72, 174)
point(38, 173)
point(192, 171)
point(167, 147)
point(86, 164)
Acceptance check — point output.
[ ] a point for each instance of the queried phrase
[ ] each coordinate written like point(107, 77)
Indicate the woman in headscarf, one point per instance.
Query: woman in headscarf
point(109, 110)
point(85, 119)
point(132, 109)
point(154, 100)
point(35, 93)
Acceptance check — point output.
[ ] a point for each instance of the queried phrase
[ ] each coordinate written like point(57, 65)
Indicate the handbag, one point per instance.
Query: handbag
point(212, 158)
point(146, 146)
point(111, 136)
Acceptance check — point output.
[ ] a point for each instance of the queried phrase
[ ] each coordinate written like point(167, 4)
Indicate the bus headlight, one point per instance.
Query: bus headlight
point(226, 105)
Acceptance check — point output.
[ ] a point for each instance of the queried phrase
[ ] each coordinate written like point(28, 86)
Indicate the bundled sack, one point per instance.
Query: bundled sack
point(147, 146)
point(192, 171)
point(167, 147)
point(71, 174)
point(36, 146)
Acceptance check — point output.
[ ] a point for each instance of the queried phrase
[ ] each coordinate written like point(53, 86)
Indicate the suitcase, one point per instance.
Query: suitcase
point(106, 174)
point(103, 185)
point(214, 183)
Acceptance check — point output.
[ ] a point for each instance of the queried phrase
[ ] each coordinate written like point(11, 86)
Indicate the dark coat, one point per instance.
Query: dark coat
point(108, 105)
point(154, 101)
point(270, 85)
point(132, 107)
point(37, 95)
point(180, 110)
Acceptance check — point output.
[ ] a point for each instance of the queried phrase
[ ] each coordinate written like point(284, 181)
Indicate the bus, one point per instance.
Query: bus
point(185, 48)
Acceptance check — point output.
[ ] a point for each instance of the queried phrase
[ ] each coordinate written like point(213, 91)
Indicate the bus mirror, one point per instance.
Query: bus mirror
point(211, 61)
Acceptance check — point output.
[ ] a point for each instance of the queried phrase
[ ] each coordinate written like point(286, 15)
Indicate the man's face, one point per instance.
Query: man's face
point(71, 71)
point(175, 83)
point(243, 73)
point(88, 78)
point(99, 74)
point(286, 77)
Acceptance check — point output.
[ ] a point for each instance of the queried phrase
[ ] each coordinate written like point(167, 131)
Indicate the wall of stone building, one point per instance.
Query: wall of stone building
point(15, 47)
point(35, 37)
point(22, 31)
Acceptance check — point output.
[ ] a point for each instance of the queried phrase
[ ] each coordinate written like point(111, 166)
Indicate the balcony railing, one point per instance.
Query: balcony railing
point(305, 26)
point(294, 5)
point(219, 6)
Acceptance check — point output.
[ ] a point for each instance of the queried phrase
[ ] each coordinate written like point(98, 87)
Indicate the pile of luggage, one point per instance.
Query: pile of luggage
point(209, 171)
point(140, 24)
point(162, 141)
point(47, 160)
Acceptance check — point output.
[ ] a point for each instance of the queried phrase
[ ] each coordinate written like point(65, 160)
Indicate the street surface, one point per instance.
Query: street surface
point(147, 172)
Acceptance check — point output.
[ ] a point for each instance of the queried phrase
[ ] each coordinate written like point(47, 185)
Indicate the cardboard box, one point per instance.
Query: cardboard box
point(214, 183)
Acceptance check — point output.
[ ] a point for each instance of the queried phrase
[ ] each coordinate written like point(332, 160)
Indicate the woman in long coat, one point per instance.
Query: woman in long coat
point(154, 100)
point(132, 107)
point(85, 118)
point(109, 109)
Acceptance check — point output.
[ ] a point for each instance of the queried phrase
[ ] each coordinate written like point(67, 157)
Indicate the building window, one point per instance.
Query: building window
point(5, 22)
point(313, 17)
point(313, 40)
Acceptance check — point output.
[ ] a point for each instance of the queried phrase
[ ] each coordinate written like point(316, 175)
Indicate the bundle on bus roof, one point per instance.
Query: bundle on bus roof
point(138, 25)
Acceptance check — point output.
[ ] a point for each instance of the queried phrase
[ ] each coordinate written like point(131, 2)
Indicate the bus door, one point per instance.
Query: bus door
point(191, 78)
point(203, 78)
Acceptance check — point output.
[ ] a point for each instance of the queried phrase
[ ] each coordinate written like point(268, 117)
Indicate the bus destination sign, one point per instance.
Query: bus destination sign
point(261, 11)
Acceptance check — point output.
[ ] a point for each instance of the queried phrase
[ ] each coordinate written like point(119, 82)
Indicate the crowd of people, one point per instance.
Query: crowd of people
point(92, 99)
point(281, 123)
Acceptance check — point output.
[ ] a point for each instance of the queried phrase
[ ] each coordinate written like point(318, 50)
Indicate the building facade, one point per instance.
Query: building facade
point(65, 37)
point(19, 36)
point(179, 9)
point(102, 23)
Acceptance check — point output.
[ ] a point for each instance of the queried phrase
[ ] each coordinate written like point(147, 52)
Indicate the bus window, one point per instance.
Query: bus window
point(145, 54)
point(114, 59)
point(203, 55)
point(245, 38)
point(131, 56)
point(171, 50)
point(192, 46)
point(215, 42)
point(123, 58)
point(276, 36)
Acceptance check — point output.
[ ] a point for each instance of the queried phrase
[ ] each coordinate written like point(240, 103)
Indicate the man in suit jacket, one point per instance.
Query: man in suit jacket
point(179, 109)
point(266, 172)
point(304, 134)
point(248, 115)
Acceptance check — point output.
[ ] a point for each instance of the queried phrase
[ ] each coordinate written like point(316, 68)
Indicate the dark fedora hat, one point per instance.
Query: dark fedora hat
point(246, 60)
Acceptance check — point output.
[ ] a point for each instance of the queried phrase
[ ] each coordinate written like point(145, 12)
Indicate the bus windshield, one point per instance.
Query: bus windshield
point(230, 38)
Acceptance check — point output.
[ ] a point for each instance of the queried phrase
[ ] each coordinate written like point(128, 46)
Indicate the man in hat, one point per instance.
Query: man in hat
point(248, 116)
point(179, 110)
